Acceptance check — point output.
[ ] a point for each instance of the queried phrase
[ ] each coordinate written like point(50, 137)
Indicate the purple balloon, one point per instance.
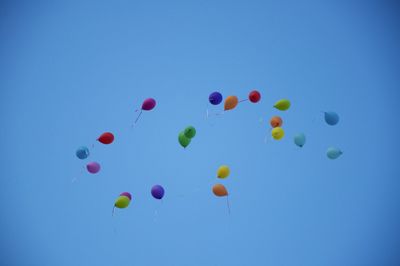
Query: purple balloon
point(126, 194)
point(148, 104)
point(93, 167)
point(215, 98)
point(157, 192)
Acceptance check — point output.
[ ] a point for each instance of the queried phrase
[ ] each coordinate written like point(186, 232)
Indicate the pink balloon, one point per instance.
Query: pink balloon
point(126, 194)
point(93, 167)
point(148, 104)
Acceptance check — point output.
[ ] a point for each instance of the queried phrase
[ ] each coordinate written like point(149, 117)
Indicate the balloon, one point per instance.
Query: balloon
point(230, 102)
point(331, 118)
point(93, 167)
point(126, 194)
point(300, 139)
point(282, 105)
point(82, 152)
point(183, 140)
point(219, 190)
point(276, 121)
point(254, 96)
point(122, 202)
point(148, 104)
point(277, 133)
point(106, 138)
point(190, 132)
point(215, 98)
point(157, 192)
point(333, 153)
point(223, 171)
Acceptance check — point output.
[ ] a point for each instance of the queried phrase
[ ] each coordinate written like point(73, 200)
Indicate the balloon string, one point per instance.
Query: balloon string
point(141, 111)
point(243, 100)
point(112, 214)
point(227, 203)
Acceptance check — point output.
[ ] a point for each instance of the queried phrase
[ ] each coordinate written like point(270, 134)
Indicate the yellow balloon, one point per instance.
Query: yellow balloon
point(277, 133)
point(223, 171)
point(282, 104)
point(122, 202)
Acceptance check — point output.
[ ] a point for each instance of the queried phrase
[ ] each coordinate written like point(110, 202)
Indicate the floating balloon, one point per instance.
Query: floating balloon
point(183, 140)
point(230, 103)
point(282, 105)
point(189, 132)
point(254, 96)
point(277, 133)
point(333, 153)
point(331, 118)
point(122, 201)
point(93, 167)
point(147, 105)
point(157, 192)
point(126, 194)
point(82, 152)
point(300, 139)
point(276, 121)
point(223, 171)
point(219, 190)
point(106, 138)
point(215, 98)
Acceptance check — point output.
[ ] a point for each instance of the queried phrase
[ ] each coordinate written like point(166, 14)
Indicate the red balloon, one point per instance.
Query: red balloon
point(254, 96)
point(106, 138)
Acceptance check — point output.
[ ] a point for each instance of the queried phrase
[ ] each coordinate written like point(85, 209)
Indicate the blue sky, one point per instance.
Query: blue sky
point(71, 71)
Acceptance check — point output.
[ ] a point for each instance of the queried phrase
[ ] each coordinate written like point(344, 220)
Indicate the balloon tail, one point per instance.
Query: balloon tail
point(141, 111)
point(227, 203)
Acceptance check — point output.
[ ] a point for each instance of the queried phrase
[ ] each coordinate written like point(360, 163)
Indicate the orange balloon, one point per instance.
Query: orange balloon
point(276, 121)
point(230, 102)
point(219, 190)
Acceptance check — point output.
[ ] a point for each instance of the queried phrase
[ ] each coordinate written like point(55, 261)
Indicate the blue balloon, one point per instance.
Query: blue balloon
point(215, 98)
point(300, 139)
point(157, 192)
point(331, 118)
point(333, 153)
point(82, 152)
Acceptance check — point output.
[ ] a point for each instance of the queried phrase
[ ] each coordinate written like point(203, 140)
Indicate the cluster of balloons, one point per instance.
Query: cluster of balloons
point(220, 190)
point(186, 136)
point(276, 122)
point(232, 101)
point(332, 118)
point(83, 152)
point(157, 191)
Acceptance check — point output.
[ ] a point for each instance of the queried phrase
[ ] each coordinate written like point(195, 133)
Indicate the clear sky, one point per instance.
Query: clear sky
point(73, 70)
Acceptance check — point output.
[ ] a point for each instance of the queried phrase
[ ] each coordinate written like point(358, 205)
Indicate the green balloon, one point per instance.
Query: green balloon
point(190, 132)
point(282, 105)
point(122, 202)
point(300, 139)
point(183, 140)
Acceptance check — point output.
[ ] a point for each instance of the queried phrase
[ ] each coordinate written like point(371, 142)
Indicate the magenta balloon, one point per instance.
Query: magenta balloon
point(93, 167)
point(148, 104)
point(126, 194)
